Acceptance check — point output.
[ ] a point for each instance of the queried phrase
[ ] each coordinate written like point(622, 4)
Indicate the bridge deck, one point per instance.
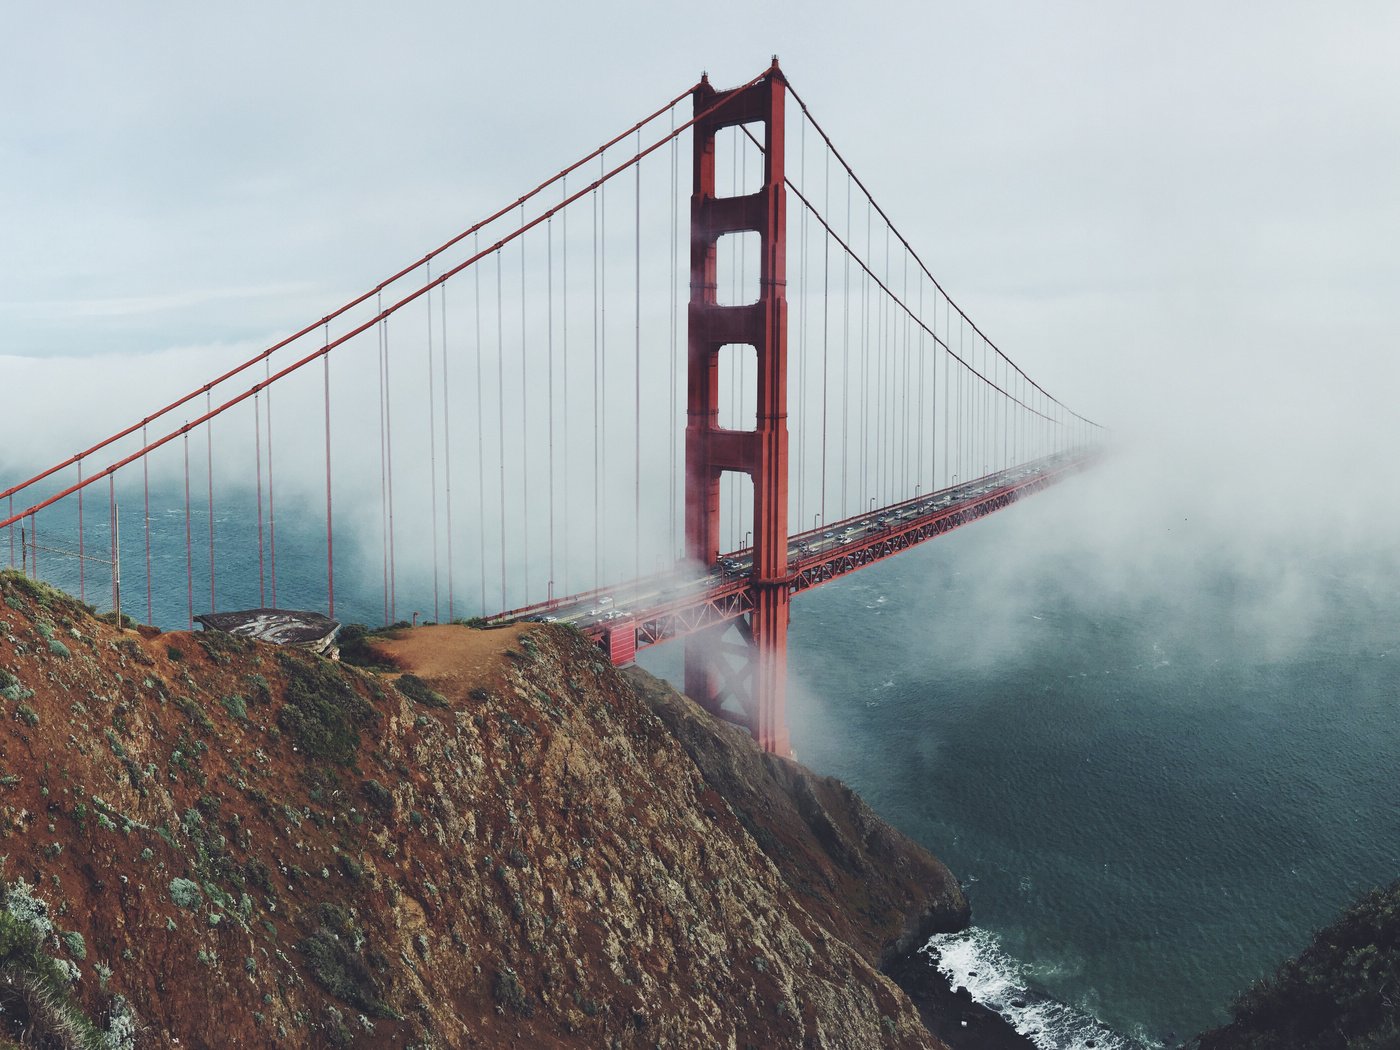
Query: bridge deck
point(659, 608)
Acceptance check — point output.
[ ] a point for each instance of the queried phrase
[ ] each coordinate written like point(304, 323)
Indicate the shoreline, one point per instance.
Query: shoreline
point(951, 1014)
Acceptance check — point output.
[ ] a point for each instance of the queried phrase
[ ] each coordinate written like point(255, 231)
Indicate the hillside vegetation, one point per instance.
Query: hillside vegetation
point(209, 842)
point(1342, 991)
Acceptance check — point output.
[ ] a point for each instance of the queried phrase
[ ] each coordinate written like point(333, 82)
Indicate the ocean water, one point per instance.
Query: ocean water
point(1153, 784)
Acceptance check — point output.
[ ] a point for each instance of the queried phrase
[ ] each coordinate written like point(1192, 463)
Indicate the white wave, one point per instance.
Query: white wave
point(973, 959)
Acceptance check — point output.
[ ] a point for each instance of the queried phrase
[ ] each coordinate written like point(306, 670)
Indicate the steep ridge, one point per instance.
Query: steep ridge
point(211, 842)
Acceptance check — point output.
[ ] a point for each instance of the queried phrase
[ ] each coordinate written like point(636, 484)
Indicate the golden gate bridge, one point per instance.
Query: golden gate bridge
point(538, 420)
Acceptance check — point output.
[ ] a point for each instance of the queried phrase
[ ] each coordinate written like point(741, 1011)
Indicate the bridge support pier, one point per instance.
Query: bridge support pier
point(762, 453)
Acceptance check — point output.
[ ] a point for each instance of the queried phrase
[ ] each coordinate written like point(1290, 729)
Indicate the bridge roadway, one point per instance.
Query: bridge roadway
point(643, 612)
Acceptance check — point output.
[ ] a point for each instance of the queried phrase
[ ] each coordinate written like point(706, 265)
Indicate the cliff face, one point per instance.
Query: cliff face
point(1342, 991)
point(210, 842)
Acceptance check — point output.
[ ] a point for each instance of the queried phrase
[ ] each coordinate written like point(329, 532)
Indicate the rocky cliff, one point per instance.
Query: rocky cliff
point(496, 840)
point(1342, 991)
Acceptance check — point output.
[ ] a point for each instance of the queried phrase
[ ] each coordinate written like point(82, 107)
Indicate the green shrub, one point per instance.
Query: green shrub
point(419, 691)
point(186, 893)
point(510, 992)
point(1345, 981)
point(12, 689)
point(322, 713)
point(342, 973)
point(37, 1007)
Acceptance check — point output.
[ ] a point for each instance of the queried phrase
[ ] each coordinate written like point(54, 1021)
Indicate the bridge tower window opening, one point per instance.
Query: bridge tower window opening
point(738, 372)
point(739, 160)
point(737, 265)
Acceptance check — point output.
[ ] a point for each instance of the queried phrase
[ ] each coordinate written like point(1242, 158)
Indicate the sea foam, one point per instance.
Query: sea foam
point(974, 959)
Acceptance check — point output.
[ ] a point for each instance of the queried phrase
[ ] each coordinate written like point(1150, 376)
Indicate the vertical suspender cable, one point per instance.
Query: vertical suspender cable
point(447, 458)
point(257, 456)
point(904, 400)
point(826, 334)
point(919, 410)
point(189, 538)
point(637, 378)
point(116, 549)
point(597, 416)
point(563, 353)
point(846, 356)
point(432, 438)
point(82, 549)
point(271, 498)
point(330, 537)
point(603, 343)
point(501, 414)
point(673, 537)
point(549, 348)
point(389, 474)
point(933, 402)
point(524, 430)
point(480, 427)
point(380, 331)
point(209, 443)
point(146, 501)
point(801, 342)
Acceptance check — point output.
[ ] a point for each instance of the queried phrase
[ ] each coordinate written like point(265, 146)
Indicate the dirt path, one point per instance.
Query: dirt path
point(454, 658)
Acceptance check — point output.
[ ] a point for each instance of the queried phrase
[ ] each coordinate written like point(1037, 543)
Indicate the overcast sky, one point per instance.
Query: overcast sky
point(1182, 217)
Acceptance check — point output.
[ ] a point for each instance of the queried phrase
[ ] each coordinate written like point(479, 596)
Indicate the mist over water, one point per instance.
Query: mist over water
point(1151, 731)
point(1154, 784)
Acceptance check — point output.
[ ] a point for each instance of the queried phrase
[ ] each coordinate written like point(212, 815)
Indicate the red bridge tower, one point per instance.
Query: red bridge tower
point(757, 685)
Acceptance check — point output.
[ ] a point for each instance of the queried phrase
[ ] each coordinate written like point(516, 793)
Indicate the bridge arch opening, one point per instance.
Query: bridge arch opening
point(738, 160)
point(738, 386)
point(737, 265)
